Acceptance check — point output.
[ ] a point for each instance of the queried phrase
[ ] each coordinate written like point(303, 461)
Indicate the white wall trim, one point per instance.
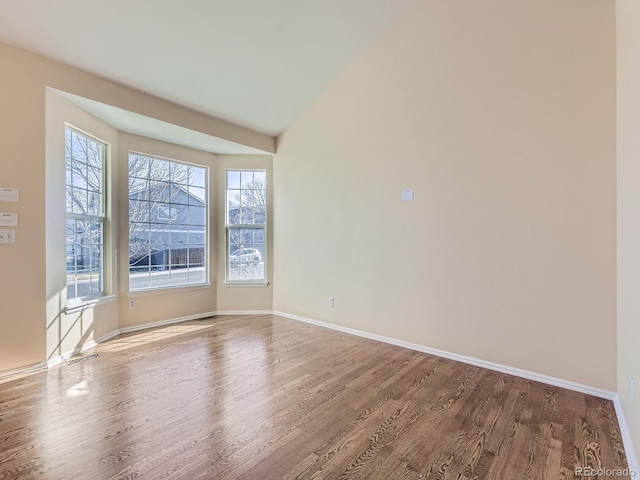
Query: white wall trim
point(632, 460)
point(5, 374)
point(171, 321)
point(245, 312)
point(537, 377)
point(199, 316)
point(108, 336)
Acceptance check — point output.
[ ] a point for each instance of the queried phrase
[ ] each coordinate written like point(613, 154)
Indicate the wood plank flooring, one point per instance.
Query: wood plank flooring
point(263, 397)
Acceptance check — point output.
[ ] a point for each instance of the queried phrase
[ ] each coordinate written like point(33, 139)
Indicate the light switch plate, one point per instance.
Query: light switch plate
point(8, 219)
point(7, 236)
point(9, 195)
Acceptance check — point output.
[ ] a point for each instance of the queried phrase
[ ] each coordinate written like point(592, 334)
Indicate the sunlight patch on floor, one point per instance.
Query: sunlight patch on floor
point(139, 339)
point(78, 390)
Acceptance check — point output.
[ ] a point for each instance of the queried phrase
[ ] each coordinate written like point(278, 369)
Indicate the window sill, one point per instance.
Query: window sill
point(87, 303)
point(246, 284)
point(165, 290)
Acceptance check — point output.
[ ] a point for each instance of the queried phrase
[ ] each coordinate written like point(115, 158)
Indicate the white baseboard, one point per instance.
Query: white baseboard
point(632, 460)
point(245, 312)
point(58, 359)
point(537, 377)
point(5, 374)
point(108, 336)
point(170, 321)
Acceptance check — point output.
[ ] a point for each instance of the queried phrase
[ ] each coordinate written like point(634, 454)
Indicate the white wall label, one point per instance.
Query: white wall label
point(8, 219)
point(7, 236)
point(9, 195)
point(407, 194)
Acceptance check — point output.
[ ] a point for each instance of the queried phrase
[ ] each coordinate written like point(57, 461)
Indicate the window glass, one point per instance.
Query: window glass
point(167, 223)
point(84, 165)
point(246, 215)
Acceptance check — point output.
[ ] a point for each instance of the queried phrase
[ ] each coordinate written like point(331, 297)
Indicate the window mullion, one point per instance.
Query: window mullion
point(81, 216)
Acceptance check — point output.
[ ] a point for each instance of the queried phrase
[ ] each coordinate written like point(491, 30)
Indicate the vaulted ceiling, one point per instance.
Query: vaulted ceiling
point(257, 63)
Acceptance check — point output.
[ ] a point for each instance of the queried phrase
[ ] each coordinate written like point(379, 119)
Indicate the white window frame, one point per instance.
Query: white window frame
point(101, 218)
point(206, 236)
point(228, 227)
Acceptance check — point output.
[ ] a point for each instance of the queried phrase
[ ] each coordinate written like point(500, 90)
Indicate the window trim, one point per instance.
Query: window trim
point(206, 229)
point(263, 282)
point(92, 298)
point(86, 303)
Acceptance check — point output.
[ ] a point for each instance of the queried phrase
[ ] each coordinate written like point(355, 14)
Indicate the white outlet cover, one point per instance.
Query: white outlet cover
point(407, 194)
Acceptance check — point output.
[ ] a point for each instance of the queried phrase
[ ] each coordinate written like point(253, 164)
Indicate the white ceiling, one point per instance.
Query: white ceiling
point(137, 124)
point(257, 63)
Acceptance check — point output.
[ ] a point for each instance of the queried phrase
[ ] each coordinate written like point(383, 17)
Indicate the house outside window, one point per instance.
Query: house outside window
point(168, 205)
point(85, 214)
point(246, 225)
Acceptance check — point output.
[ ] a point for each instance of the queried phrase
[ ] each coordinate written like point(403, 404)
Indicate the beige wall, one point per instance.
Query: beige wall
point(66, 332)
point(27, 303)
point(501, 116)
point(235, 298)
point(628, 45)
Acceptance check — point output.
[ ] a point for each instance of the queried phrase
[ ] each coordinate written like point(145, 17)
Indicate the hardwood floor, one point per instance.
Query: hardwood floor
point(263, 397)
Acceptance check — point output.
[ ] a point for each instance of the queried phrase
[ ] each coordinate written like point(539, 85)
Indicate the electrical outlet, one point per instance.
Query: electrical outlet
point(632, 389)
point(132, 303)
point(332, 303)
